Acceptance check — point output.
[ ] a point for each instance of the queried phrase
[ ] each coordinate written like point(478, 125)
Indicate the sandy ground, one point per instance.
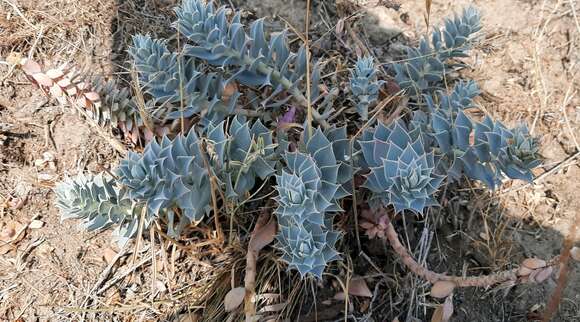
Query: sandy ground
point(527, 65)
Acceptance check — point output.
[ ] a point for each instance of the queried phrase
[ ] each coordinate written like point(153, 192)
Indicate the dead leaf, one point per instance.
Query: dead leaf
point(575, 253)
point(160, 286)
point(92, 96)
point(339, 26)
point(262, 236)
point(108, 255)
point(188, 317)
point(36, 224)
point(229, 90)
point(534, 263)
point(17, 203)
point(427, 12)
point(30, 67)
point(54, 73)
point(114, 297)
point(529, 265)
point(340, 296)
point(42, 79)
point(541, 274)
point(442, 289)
point(437, 314)
point(11, 233)
point(358, 287)
point(443, 312)
point(234, 298)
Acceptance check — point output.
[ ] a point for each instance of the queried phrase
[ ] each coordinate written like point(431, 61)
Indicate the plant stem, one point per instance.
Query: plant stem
point(286, 83)
point(460, 281)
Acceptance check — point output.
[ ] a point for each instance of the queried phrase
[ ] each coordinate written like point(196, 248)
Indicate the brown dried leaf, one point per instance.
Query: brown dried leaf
point(42, 79)
point(92, 96)
point(188, 317)
point(55, 90)
point(71, 91)
point(54, 73)
point(234, 298)
point(437, 314)
point(31, 67)
point(36, 224)
point(541, 274)
point(83, 86)
point(64, 83)
point(575, 253)
point(443, 312)
point(109, 254)
point(442, 289)
point(339, 26)
point(262, 236)
point(534, 263)
point(340, 296)
point(230, 89)
point(10, 233)
point(358, 287)
point(529, 265)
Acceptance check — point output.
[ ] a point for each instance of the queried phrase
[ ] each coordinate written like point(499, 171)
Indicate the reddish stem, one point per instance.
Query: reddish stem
point(482, 281)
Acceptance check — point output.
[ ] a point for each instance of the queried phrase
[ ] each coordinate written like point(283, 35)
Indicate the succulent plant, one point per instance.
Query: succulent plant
point(117, 109)
point(522, 154)
point(99, 203)
point(178, 87)
point(364, 85)
point(402, 173)
point(307, 248)
point(255, 60)
point(169, 174)
point(92, 198)
point(498, 150)
point(243, 154)
point(460, 98)
point(406, 161)
point(495, 150)
point(425, 66)
point(308, 192)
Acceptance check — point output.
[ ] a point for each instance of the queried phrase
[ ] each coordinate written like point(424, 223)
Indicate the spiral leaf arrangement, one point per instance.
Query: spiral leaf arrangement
point(403, 163)
point(402, 173)
point(179, 89)
point(309, 188)
point(364, 85)
point(253, 59)
point(426, 65)
point(98, 203)
point(486, 151)
point(243, 154)
point(169, 174)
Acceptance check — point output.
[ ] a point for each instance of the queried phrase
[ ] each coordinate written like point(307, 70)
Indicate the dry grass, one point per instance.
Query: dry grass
point(165, 279)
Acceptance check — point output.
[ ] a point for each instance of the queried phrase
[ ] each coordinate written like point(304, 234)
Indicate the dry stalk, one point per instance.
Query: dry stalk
point(263, 234)
point(556, 297)
point(517, 275)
